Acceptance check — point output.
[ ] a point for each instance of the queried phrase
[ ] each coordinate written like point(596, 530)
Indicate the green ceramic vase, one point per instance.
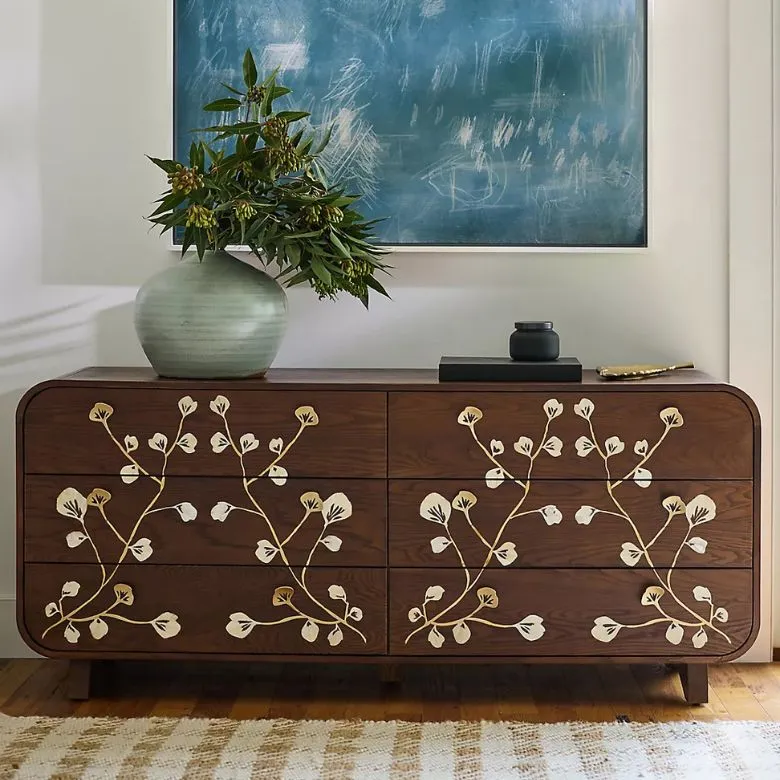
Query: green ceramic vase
point(218, 318)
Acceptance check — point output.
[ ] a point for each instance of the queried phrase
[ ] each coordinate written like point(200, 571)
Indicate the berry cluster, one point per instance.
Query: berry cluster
point(183, 180)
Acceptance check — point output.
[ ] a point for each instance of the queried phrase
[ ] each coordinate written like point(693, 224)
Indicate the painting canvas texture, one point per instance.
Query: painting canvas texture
point(460, 122)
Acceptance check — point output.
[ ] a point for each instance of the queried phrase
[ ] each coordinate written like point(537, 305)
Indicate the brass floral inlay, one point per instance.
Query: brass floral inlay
point(77, 507)
point(316, 614)
point(438, 509)
point(694, 514)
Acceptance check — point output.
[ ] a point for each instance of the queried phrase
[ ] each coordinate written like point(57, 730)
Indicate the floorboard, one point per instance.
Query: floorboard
point(425, 693)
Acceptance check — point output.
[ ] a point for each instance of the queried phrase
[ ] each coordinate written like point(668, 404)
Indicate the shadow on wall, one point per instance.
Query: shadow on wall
point(30, 343)
point(33, 348)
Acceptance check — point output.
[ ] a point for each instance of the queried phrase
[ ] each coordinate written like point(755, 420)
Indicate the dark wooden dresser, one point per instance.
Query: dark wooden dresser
point(382, 516)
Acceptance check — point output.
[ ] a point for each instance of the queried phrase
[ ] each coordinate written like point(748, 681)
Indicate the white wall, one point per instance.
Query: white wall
point(74, 184)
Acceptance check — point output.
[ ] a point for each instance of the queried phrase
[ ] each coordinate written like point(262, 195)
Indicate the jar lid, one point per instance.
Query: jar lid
point(533, 325)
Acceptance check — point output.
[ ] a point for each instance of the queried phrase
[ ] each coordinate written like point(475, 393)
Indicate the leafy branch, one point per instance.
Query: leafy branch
point(256, 182)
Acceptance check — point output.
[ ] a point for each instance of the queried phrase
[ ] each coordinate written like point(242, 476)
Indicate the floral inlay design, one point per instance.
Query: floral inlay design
point(663, 597)
point(466, 609)
point(316, 613)
point(74, 607)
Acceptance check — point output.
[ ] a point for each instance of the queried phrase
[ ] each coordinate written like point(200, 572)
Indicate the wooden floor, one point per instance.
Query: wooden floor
point(526, 693)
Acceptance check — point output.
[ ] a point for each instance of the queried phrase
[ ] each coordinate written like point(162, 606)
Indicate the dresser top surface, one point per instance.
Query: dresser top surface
point(418, 379)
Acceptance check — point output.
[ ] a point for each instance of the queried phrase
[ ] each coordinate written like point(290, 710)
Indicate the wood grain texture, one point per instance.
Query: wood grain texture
point(421, 378)
point(348, 441)
point(427, 693)
point(204, 540)
point(569, 543)
point(569, 602)
point(198, 573)
point(202, 598)
point(426, 440)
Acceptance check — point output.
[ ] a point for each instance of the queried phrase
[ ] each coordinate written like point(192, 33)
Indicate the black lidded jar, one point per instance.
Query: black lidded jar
point(534, 341)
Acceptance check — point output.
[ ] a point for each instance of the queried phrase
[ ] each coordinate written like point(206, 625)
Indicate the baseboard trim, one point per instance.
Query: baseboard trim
point(11, 644)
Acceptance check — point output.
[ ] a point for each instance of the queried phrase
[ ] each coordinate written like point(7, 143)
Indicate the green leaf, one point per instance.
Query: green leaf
point(318, 169)
point(237, 128)
point(304, 146)
point(214, 155)
point(299, 278)
point(343, 251)
point(169, 166)
point(324, 142)
point(189, 237)
point(293, 116)
point(232, 89)
point(345, 200)
point(267, 103)
point(178, 218)
point(375, 285)
point(225, 104)
point(364, 244)
point(294, 254)
point(250, 70)
point(311, 234)
point(320, 271)
point(200, 242)
point(280, 92)
point(271, 78)
point(335, 270)
point(169, 203)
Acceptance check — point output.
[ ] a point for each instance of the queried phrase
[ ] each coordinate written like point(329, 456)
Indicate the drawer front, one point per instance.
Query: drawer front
point(98, 430)
point(570, 523)
point(570, 612)
point(204, 609)
point(81, 519)
point(505, 435)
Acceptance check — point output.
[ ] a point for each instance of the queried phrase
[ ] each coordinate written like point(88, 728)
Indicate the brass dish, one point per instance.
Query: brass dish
point(640, 371)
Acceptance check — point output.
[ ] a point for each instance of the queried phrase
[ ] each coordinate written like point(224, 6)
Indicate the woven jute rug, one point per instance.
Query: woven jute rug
point(169, 749)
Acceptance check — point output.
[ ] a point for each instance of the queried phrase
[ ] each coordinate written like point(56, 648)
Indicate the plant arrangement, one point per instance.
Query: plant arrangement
point(258, 183)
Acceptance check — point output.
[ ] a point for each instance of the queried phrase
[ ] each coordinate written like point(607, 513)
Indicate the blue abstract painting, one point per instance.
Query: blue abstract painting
point(460, 122)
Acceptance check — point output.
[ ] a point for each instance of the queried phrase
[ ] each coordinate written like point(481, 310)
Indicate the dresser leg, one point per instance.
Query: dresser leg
point(390, 673)
point(694, 682)
point(78, 681)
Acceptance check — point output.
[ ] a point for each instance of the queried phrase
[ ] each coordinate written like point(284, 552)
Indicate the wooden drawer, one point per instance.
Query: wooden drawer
point(435, 523)
point(76, 519)
point(569, 613)
point(146, 609)
point(105, 430)
point(500, 435)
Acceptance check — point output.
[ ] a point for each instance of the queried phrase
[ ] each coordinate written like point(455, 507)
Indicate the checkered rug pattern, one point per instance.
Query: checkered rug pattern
point(36, 748)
